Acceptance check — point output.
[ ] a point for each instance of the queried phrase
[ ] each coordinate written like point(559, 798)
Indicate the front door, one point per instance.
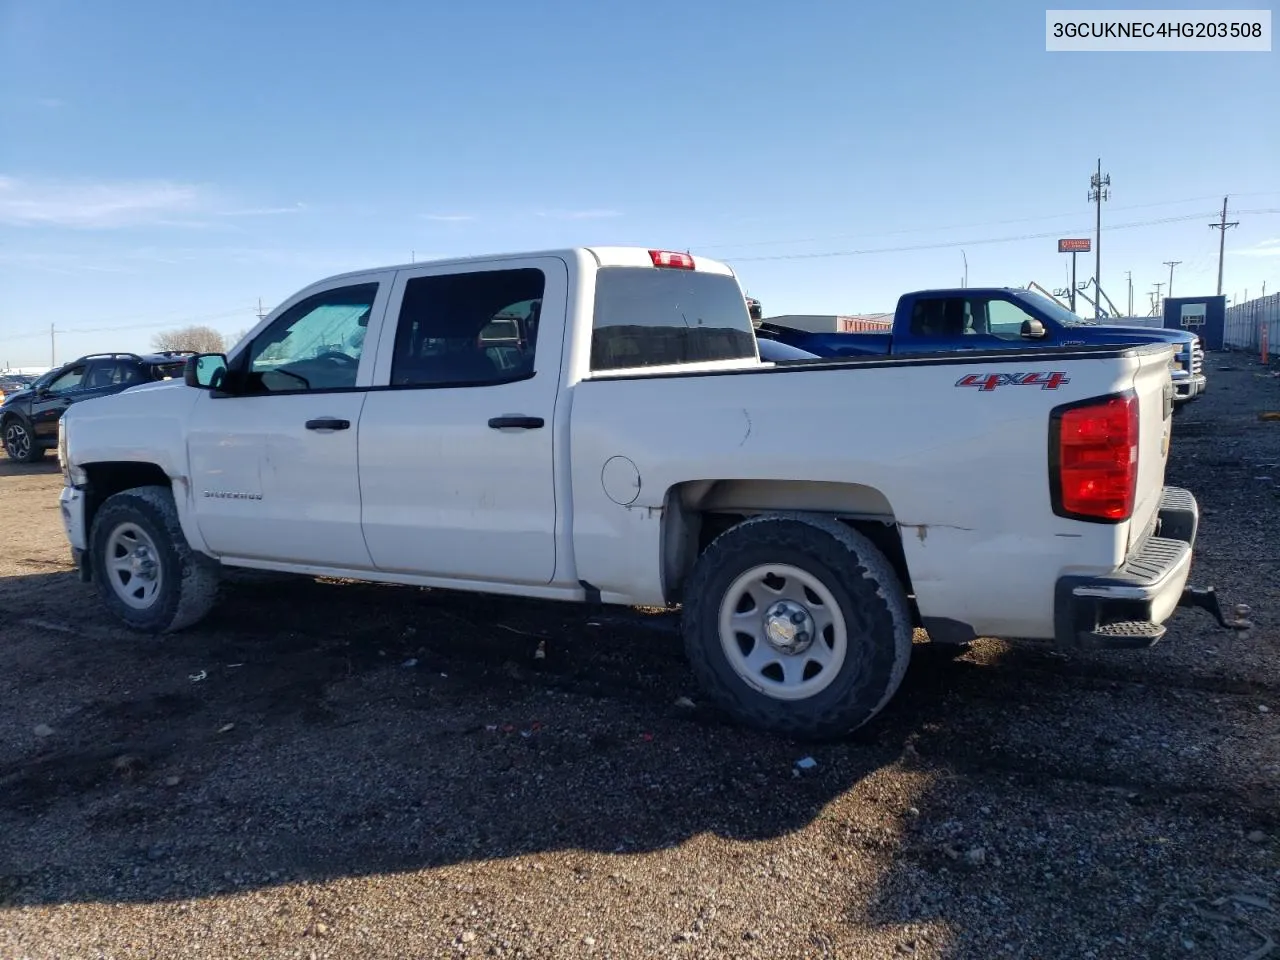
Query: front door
point(456, 468)
point(273, 460)
point(968, 323)
point(49, 404)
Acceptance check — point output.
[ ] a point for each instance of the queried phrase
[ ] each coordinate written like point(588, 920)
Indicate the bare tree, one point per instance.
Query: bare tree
point(198, 338)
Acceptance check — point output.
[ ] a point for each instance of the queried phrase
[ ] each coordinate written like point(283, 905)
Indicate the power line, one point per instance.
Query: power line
point(137, 326)
point(947, 244)
point(719, 244)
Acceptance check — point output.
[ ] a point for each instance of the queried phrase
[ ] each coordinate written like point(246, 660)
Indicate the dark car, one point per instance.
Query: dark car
point(14, 383)
point(29, 418)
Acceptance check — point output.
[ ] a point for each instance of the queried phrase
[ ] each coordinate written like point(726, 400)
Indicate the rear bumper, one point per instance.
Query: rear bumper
point(1127, 608)
point(1188, 388)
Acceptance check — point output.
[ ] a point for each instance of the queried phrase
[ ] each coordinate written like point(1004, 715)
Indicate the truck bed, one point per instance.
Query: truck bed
point(962, 471)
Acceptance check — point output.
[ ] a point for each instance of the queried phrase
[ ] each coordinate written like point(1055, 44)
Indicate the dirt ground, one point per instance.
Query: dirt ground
point(337, 770)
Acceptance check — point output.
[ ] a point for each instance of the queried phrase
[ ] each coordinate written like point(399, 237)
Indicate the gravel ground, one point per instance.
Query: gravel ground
point(390, 772)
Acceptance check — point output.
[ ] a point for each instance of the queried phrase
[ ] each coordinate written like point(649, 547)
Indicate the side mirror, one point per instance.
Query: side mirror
point(205, 371)
point(1032, 329)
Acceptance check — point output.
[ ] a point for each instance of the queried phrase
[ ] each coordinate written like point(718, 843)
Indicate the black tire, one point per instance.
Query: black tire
point(20, 444)
point(189, 581)
point(864, 586)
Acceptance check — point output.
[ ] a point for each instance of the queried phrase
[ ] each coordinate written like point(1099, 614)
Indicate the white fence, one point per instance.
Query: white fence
point(1244, 323)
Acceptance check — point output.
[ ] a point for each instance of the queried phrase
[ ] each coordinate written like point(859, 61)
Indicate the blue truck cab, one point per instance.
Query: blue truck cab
point(993, 318)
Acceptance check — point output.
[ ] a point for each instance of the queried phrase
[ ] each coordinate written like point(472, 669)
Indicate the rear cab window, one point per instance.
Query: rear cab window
point(168, 371)
point(651, 317)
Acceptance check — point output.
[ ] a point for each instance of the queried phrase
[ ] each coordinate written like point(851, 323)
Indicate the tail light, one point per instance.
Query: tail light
point(669, 258)
point(1093, 459)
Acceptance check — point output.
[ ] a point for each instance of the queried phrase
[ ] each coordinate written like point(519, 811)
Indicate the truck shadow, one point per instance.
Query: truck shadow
point(44, 467)
point(310, 730)
point(314, 730)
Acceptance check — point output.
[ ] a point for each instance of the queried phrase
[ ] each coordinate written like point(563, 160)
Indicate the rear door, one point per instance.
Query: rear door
point(456, 450)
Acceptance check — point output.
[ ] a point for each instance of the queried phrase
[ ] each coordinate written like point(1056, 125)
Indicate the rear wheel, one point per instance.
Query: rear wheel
point(20, 443)
point(797, 625)
point(145, 572)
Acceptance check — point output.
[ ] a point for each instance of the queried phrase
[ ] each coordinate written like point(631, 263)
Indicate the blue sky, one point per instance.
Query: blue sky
point(164, 162)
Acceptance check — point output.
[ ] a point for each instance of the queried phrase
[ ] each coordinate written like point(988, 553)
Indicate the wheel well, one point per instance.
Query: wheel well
point(698, 512)
point(108, 479)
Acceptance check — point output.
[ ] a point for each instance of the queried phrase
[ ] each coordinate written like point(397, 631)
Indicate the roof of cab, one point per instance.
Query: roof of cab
point(605, 256)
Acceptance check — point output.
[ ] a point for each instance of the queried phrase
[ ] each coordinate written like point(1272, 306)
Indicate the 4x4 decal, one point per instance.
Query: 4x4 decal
point(987, 382)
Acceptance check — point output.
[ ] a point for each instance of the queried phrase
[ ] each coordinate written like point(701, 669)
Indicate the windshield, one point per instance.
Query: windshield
point(1055, 310)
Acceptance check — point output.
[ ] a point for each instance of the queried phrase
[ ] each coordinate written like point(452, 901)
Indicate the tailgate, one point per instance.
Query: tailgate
point(1154, 387)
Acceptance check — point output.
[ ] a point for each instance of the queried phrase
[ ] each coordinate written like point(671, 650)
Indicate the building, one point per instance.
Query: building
point(835, 322)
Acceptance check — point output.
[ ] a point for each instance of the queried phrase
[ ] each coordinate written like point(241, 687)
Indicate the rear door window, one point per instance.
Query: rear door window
point(938, 317)
point(648, 317)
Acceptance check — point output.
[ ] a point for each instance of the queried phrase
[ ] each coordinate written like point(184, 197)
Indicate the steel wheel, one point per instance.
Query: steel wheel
point(782, 631)
point(17, 441)
point(133, 566)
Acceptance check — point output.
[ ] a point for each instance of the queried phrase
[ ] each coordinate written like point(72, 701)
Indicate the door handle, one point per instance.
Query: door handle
point(519, 423)
point(328, 423)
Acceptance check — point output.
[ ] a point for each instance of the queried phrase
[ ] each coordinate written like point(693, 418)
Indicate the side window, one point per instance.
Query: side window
point(468, 329)
point(112, 373)
point(939, 317)
point(314, 345)
point(69, 381)
point(998, 318)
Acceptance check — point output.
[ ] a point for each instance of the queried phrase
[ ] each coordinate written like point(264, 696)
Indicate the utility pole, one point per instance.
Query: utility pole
point(1073, 281)
point(1171, 264)
point(1156, 313)
point(1097, 193)
point(1222, 239)
point(965, 282)
point(261, 314)
point(1129, 276)
point(53, 348)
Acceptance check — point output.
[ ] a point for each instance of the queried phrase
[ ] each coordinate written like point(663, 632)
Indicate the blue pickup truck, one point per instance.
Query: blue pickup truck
point(991, 318)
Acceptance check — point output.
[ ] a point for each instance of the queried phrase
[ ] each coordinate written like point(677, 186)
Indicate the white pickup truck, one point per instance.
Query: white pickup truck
point(596, 424)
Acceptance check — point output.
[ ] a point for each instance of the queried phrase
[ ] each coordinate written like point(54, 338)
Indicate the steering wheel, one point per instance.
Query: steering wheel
point(337, 357)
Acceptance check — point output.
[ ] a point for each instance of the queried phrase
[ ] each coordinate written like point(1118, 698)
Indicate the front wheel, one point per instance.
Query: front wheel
point(146, 573)
point(20, 443)
point(797, 625)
